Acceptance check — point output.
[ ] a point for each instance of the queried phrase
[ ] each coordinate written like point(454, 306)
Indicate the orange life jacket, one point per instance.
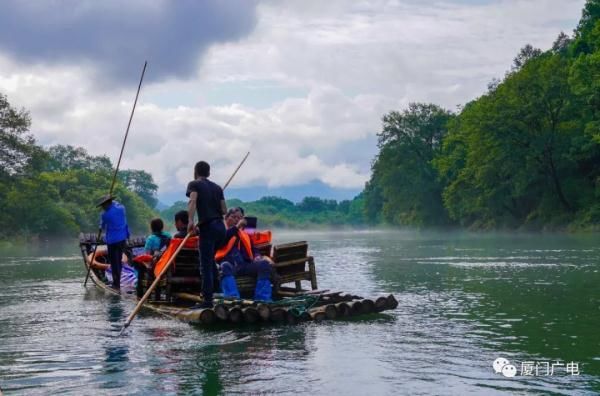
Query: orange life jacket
point(191, 243)
point(260, 237)
point(241, 241)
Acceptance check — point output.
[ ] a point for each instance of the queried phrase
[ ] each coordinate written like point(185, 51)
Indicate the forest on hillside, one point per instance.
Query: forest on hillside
point(526, 154)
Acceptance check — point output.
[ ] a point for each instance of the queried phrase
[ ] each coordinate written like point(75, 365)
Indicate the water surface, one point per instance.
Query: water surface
point(465, 299)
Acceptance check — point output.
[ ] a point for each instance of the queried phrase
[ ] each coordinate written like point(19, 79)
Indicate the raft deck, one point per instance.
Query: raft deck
point(178, 293)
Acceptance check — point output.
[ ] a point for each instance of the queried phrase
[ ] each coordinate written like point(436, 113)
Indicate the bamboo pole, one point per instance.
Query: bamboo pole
point(112, 185)
point(154, 284)
point(236, 170)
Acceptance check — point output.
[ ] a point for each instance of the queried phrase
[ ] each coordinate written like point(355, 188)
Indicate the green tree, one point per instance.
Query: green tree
point(18, 150)
point(404, 184)
point(66, 157)
point(141, 183)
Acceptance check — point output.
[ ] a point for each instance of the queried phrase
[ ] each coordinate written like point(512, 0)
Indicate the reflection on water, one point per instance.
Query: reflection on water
point(464, 301)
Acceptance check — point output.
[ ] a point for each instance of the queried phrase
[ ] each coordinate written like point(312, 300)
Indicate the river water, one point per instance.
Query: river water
point(465, 300)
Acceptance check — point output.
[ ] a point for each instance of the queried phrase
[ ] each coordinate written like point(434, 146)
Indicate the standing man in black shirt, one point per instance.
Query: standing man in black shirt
point(207, 199)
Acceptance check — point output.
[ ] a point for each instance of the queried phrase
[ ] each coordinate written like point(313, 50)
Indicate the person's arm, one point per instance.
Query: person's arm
point(192, 210)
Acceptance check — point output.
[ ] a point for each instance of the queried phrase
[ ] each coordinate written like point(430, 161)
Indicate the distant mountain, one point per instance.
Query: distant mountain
point(161, 206)
point(293, 193)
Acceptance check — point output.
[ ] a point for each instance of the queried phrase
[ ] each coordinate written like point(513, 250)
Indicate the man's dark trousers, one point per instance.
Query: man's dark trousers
point(212, 235)
point(115, 254)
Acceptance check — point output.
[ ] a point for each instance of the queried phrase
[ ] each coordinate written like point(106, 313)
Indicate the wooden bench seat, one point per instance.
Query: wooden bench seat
point(292, 264)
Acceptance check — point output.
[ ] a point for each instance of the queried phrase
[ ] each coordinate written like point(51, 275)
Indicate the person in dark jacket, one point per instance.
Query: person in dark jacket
point(239, 257)
point(206, 199)
point(113, 222)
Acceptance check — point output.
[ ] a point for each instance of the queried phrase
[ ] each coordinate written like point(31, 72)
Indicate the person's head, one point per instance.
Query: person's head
point(105, 201)
point(233, 216)
point(182, 220)
point(201, 169)
point(156, 225)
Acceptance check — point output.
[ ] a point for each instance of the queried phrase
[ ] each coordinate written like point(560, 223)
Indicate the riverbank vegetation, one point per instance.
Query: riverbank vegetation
point(526, 154)
point(49, 192)
point(311, 212)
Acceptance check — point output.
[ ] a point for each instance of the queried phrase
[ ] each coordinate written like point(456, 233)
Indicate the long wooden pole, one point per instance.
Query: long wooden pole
point(154, 284)
point(236, 170)
point(166, 267)
point(114, 179)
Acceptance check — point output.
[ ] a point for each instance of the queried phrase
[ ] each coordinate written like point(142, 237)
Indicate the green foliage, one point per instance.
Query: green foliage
point(525, 154)
point(280, 212)
point(63, 158)
point(49, 193)
point(141, 183)
point(405, 187)
point(18, 153)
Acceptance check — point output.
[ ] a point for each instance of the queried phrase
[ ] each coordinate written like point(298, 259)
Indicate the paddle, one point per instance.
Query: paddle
point(166, 267)
point(114, 179)
point(154, 284)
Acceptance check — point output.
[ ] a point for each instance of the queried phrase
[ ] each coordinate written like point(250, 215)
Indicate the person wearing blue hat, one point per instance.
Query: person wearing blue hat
point(113, 222)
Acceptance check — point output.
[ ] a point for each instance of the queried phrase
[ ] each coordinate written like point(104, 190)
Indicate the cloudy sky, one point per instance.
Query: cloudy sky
point(302, 85)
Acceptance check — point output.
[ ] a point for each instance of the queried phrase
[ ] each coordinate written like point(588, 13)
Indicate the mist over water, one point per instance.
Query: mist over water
point(465, 300)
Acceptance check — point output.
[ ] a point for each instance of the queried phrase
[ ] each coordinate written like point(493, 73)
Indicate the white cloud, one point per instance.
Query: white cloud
point(354, 60)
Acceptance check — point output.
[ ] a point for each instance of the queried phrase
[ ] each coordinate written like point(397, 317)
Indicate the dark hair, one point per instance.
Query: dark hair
point(156, 225)
point(202, 169)
point(233, 210)
point(182, 216)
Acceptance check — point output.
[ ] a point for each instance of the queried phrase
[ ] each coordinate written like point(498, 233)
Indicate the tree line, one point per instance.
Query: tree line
point(51, 192)
point(526, 154)
point(276, 212)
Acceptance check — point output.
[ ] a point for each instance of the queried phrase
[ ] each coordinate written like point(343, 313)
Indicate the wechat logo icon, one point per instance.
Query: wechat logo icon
point(504, 367)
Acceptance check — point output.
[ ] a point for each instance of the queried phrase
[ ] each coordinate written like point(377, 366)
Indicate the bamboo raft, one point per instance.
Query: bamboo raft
point(292, 305)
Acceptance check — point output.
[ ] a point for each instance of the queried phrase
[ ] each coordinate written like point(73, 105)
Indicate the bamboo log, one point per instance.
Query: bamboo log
point(250, 314)
point(221, 312)
point(305, 317)
point(380, 304)
point(188, 296)
point(204, 316)
point(392, 303)
point(264, 311)
point(236, 315)
point(329, 310)
point(291, 318)
point(368, 305)
point(344, 309)
point(278, 314)
point(207, 316)
point(318, 315)
point(356, 307)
